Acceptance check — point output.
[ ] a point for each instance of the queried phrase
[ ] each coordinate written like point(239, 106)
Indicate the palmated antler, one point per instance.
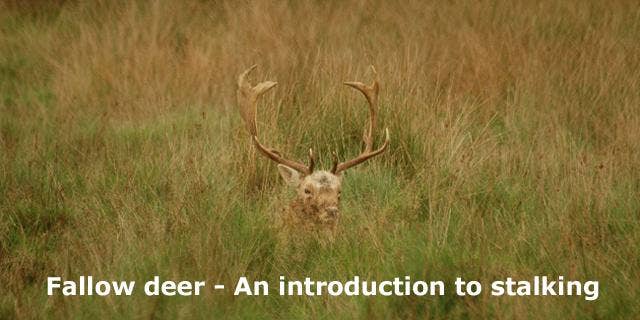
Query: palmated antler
point(248, 96)
point(371, 94)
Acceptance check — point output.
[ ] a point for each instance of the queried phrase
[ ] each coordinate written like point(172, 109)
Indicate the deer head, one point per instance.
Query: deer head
point(318, 191)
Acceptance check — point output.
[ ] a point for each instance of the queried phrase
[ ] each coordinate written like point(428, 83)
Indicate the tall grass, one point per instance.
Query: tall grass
point(515, 130)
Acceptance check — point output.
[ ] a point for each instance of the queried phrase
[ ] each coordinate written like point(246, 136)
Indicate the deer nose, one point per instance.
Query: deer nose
point(332, 211)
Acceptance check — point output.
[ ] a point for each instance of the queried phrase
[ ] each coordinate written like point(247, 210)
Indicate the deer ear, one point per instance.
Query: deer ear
point(291, 176)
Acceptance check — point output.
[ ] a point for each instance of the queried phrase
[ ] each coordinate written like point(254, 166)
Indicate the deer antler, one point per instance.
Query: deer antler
point(248, 96)
point(371, 94)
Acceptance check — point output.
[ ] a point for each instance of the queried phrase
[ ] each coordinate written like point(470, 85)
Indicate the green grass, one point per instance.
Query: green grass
point(514, 152)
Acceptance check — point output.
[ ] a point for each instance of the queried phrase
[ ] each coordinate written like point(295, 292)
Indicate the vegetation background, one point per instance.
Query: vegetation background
point(515, 131)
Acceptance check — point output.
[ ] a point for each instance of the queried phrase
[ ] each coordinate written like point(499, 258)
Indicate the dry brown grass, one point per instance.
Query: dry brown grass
point(515, 132)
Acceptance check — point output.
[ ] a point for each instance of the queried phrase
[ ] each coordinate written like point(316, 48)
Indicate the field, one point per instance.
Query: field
point(515, 135)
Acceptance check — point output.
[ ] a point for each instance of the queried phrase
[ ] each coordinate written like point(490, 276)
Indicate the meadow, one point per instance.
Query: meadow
point(515, 130)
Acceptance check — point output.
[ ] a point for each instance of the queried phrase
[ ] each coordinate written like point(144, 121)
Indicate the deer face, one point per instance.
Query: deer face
point(319, 193)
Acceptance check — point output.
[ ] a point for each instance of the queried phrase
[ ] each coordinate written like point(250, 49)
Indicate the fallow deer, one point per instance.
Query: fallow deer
point(317, 205)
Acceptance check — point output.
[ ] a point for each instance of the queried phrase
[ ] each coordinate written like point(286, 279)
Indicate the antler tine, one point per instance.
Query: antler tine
point(371, 94)
point(334, 156)
point(247, 96)
point(312, 160)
